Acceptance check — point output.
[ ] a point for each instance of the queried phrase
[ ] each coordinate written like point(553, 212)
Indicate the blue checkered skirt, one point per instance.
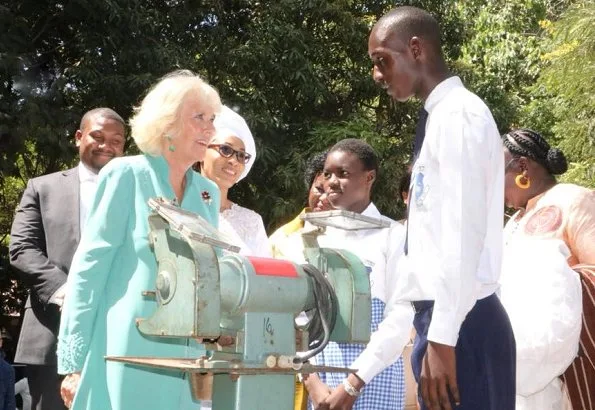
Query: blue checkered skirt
point(386, 391)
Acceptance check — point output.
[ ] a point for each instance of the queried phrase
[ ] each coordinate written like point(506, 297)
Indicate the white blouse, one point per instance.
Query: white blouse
point(543, 298)
point(246, 229)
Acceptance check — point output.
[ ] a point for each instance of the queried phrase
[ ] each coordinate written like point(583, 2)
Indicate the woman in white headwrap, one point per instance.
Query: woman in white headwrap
point(229, 158)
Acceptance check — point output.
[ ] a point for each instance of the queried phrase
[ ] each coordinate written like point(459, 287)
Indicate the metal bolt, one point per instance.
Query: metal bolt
point(284, 362)
point(149, 293)
point(271, 361)
point(163, 284)
point(297, 363)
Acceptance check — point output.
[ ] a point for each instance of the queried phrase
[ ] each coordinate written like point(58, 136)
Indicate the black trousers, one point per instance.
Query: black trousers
point(485, 352)
point(44, 386)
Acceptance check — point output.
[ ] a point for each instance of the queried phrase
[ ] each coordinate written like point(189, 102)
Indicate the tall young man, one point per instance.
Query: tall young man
point(464, 355)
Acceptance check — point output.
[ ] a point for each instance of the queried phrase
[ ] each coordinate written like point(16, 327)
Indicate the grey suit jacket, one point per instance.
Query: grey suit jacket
point(44, 236)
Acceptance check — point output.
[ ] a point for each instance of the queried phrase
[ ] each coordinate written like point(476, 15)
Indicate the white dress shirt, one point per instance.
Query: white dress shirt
point(88, 188)
point(377, 248)
point(456, 211)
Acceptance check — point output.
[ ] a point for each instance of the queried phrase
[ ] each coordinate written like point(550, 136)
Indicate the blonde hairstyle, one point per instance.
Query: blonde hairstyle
point(159, 113)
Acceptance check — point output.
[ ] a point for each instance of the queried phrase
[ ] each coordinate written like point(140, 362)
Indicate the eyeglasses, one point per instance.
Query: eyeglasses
point(226, 151)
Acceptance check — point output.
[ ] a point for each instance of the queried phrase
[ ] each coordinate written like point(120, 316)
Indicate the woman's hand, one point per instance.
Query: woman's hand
point(317, 390)
point(69, 387)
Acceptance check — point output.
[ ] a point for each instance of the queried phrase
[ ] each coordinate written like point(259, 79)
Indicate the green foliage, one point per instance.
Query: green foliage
point(59, 59)
point(564, 101)
point(501, 55)
point(12, 296)
point(290, 66)
point(581, 173)
point(297, 70)
point(535, 73)
point(392, 149)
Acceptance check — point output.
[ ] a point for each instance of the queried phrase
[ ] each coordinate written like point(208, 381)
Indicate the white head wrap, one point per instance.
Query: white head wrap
point(228, 122)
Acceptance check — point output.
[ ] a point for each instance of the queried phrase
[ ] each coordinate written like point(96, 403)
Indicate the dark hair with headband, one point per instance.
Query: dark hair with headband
point(524, 142)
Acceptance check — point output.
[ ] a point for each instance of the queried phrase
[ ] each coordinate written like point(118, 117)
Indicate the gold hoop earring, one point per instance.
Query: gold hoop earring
point(522, 181)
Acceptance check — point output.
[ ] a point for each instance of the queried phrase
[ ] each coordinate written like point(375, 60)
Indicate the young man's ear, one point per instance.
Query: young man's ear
point(371, 177)
point(415, 47)
point(77, 137)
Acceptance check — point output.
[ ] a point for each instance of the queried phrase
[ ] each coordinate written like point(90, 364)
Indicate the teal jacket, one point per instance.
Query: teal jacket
point(112, 266)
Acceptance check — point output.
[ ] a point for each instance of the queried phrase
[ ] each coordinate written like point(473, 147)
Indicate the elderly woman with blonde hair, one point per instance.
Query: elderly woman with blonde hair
point(114, 263)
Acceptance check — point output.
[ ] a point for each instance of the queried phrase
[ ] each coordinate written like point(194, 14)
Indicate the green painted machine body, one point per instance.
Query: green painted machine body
point(243, 310)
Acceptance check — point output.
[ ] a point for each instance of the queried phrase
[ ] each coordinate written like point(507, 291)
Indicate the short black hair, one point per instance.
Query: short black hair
point(102, 112)
point(364, 152)
point(524, 142)
point(406, 22)
point(314, 167)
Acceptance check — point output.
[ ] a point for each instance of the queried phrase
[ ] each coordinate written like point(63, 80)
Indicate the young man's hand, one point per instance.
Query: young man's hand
point(339, 399)
point(439, 377)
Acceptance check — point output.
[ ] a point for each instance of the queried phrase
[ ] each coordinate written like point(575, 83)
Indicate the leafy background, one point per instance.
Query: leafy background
point(297, 70)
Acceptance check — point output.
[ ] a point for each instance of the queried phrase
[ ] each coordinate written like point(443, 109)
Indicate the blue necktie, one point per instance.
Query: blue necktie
point(420, 134)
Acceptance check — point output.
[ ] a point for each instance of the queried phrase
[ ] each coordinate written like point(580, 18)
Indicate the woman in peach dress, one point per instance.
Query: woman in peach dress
point(551, 235)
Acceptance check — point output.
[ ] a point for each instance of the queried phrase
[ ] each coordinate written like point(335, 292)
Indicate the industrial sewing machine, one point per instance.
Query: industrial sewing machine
point(243, 309)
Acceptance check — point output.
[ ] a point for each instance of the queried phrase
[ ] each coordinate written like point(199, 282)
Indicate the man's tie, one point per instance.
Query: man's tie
point(420, 134)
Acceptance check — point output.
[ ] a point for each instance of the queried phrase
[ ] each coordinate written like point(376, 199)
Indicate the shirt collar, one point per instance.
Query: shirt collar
point(372, 211)
point(85, 174)
point(440, 91)
point(159, 163)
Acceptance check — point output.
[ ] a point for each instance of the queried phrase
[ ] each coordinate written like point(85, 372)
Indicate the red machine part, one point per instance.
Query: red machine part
point(273, 267)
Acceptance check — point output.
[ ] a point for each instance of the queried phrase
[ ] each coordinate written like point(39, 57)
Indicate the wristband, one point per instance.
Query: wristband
point(352, 391)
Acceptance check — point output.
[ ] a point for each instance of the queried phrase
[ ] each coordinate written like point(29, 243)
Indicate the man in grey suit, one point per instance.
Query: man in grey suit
point(44, 236)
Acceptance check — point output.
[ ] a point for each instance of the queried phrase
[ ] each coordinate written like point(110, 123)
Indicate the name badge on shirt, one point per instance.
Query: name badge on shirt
point(419, 187)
